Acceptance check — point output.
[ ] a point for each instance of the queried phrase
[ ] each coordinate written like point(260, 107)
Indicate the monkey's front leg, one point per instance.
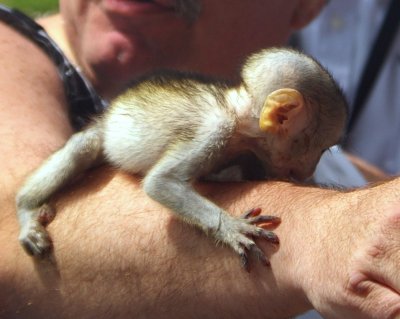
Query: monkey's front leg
point(168, 183)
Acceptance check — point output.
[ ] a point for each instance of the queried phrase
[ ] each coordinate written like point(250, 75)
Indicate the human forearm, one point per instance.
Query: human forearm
point(119, 254)
point(106, 230)
point(120, 251)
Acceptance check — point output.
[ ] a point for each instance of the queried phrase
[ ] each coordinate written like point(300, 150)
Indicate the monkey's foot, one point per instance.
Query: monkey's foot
point(35, 240)
point(240, 233)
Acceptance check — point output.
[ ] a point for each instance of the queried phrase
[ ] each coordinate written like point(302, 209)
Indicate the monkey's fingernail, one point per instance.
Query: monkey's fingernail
point(270, 236)
point(266, 226)
point(252, 213)
point(266, 220)
point(273, 219)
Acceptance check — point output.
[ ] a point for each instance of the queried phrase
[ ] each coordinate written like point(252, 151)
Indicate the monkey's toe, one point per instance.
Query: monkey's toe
point(240, 235)
point(257, 252)
point(46, 214)
point(264, 221)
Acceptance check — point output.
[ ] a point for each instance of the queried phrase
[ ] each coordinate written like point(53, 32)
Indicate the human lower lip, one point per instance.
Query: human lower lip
point(133, 7)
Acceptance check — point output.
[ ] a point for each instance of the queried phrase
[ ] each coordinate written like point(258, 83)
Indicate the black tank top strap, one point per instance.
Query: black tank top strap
point(84, 102)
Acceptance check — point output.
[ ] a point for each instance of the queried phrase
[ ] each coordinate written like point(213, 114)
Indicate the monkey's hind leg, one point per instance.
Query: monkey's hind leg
point(80, 152)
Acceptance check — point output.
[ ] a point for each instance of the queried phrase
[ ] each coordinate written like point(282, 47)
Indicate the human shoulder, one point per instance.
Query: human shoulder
point(25, 68)
point(33, 108)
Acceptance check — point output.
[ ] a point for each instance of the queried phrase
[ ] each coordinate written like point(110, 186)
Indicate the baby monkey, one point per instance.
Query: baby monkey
point(175, 128)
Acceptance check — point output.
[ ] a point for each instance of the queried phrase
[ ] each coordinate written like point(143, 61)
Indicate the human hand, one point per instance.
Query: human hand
point(349, 266)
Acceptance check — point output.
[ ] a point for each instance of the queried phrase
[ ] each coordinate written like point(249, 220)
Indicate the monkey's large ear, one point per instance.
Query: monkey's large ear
point(283, 112)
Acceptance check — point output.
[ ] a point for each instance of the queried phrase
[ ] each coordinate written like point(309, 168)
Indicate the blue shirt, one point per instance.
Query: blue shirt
point(341, 39)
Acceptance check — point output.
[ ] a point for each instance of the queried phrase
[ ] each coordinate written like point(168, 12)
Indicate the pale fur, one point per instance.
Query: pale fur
point(173, 128)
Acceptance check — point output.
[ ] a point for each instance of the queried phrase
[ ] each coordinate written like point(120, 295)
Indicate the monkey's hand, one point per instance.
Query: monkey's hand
point(33, 236)
point(236, 233)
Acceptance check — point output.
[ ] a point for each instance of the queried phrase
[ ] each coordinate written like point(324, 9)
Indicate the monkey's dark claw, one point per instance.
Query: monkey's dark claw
point(265, 219)
point(257, 252)
point(260, 255)
point(269, 236)
point(254, 217)
point(251, 213)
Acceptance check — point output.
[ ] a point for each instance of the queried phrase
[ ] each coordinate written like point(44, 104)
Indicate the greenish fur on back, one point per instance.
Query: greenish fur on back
point(166, 95)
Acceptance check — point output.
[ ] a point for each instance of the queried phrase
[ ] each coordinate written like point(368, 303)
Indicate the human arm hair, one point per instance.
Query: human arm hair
point(102, 263)
point(118, 254)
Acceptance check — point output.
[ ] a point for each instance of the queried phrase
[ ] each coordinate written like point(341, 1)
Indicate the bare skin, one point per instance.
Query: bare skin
point(268, 121)
point(154, 257)
point(146, 263)
point(112, 47)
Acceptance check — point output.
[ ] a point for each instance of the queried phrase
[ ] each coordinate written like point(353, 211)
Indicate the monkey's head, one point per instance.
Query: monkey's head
point(300, 108)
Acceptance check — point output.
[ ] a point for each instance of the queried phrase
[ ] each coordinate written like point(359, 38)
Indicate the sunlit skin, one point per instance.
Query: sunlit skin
point(120, 255)
point(114, 45)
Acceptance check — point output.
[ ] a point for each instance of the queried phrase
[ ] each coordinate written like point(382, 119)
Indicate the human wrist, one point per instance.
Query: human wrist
point(304, 232)
point(316, 245)
point(292, 262)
